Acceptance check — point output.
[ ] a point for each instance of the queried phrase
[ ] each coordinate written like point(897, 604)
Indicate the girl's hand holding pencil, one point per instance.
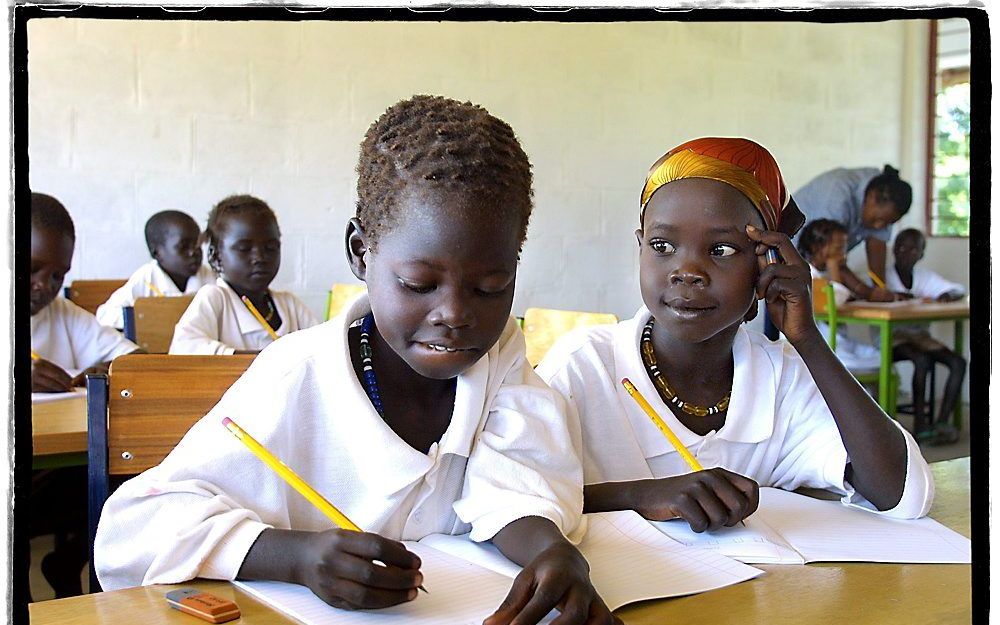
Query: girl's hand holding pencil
point(708, 500)
point(785, 286)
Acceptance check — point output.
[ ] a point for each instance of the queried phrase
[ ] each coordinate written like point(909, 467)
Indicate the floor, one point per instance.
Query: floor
point(41, 591)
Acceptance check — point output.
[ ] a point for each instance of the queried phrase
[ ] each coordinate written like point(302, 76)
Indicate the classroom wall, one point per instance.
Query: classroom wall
point(130, 117)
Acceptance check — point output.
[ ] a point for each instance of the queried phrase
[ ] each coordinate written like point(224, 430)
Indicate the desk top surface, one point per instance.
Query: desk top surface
point(859, 593)
point(59, 426)
point(897, 311)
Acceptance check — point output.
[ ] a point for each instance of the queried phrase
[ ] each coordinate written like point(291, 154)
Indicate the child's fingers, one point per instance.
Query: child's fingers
point(374, 547)
point(689, 509)
point(517, 597)
point(351, 595)
point(576, 609)
point(735, 500)
point(366, 572)
point(715, 509)
point(779, 240)
point(770, 273)
point(546, 595)
point(748, 487)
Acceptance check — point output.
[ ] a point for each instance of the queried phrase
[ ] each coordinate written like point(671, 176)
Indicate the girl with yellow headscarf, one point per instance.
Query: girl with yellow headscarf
point(752, 412)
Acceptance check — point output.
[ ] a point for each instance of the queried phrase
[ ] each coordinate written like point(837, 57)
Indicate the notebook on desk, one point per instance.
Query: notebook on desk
point(630, 561)
point(795, 529)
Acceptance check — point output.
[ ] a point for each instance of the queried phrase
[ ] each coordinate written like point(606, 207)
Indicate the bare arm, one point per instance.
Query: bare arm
point(875, 250)
point(876, 447)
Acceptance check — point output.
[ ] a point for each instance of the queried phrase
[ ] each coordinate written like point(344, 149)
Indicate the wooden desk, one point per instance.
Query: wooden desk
point(885, 317)
point(856, 593)
point(59, 432)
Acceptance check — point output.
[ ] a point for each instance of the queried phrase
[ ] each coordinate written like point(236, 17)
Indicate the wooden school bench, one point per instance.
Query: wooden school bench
point(860, 593)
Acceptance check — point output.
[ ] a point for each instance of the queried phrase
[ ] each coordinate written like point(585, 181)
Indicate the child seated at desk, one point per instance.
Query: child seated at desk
point(174, 242)
point(785, 414)
point(67, 342)
point(415, 410)
point(914, 342)
point(823, 244)
point(240, 313)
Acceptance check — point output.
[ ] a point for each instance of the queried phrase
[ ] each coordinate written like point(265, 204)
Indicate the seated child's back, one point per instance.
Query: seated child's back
point(174, 242)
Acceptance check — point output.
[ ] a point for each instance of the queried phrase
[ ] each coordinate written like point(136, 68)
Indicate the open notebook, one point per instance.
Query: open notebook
point(794, 529)
point(630, 561)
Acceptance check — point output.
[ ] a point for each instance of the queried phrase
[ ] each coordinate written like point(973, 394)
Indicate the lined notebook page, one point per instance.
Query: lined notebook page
point(631, 561)
point(756, 543)
point(828, 531)
point(458, 593)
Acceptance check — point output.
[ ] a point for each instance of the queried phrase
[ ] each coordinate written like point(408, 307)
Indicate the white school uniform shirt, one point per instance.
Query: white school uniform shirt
point(778, 431)
point(509, 452)
point(71, 337)
point(926, 283)
point(110, 312)
point(218, 322)
point(856, 354)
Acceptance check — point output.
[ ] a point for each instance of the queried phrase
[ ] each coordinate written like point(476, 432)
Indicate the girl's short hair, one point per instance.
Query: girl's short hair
point(816, 234)
point(446, 144)
point(891, 188)
point(230, 207)
point(49, 214)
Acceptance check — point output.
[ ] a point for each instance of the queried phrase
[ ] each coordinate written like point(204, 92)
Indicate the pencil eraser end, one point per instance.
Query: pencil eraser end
point(204, 605)
point(226, 421)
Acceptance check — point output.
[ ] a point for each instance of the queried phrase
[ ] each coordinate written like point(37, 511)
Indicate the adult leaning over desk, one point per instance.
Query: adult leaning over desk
point(866, 201)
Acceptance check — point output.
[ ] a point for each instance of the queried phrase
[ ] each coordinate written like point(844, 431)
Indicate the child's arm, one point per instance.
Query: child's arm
point(707, 500)
point(555, 575)
point(875, 446)
point(337, 565)
point(48, 377)
point(839, 272)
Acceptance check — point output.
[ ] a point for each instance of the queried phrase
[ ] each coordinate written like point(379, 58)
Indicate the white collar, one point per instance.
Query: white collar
point(244, 318)
point(754, 391)
point(407, 464)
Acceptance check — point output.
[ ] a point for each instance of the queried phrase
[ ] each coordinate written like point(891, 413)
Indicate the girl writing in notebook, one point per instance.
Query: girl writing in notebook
point(414, 411)
point(784, 414)
point(240, 313)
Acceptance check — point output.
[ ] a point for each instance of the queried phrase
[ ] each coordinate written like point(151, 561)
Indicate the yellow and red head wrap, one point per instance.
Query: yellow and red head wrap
point(740, 163)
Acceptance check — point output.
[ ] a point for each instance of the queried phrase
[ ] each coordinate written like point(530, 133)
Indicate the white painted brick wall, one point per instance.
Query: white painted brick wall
point(128, 118)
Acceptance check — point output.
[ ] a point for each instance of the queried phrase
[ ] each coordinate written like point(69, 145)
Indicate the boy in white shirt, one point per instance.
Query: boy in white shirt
point(914, 342)
point(66, 343)
point(784, 414)
point(414, 411)
point(244, 247)
point(174, 242)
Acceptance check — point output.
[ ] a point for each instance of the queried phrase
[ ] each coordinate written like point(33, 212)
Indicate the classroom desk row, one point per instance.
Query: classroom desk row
point(857, 593)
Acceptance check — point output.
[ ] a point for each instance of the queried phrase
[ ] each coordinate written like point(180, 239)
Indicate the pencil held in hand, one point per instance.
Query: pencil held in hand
point(661, 425)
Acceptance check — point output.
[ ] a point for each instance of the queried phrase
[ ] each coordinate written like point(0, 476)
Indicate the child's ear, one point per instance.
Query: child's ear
point(751, 313)
point(356, 244)
point(213, 258)
point(638, 236)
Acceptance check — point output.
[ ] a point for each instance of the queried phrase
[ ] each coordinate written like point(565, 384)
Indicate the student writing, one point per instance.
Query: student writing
point(244, 248)
point(914, 342)
point(174, 242)
point(784, 414)
point(68, 340)
point(414, 411)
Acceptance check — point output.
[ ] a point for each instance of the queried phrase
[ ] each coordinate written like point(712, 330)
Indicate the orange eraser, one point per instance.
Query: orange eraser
point(203, 605)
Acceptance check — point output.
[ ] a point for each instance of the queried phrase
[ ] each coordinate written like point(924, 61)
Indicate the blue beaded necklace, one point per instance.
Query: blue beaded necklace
point(371, 384)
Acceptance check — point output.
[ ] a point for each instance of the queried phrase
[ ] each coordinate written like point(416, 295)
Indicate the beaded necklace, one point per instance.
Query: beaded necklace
point(666, 393)
point(365, 350)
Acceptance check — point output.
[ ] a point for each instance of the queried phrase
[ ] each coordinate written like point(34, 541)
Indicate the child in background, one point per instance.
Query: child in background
point(66, 343)
point(414, 411)
point(914, 342)
point(174, 242)
point(244, 248)
point(785, 414)
point(823, 243)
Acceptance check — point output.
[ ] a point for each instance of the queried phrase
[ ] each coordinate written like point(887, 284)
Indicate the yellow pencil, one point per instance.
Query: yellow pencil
point(156, 291)
point(260, 317)
point(878, 281)
point(293, 480)
point(35, 356)
point(676, 442)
